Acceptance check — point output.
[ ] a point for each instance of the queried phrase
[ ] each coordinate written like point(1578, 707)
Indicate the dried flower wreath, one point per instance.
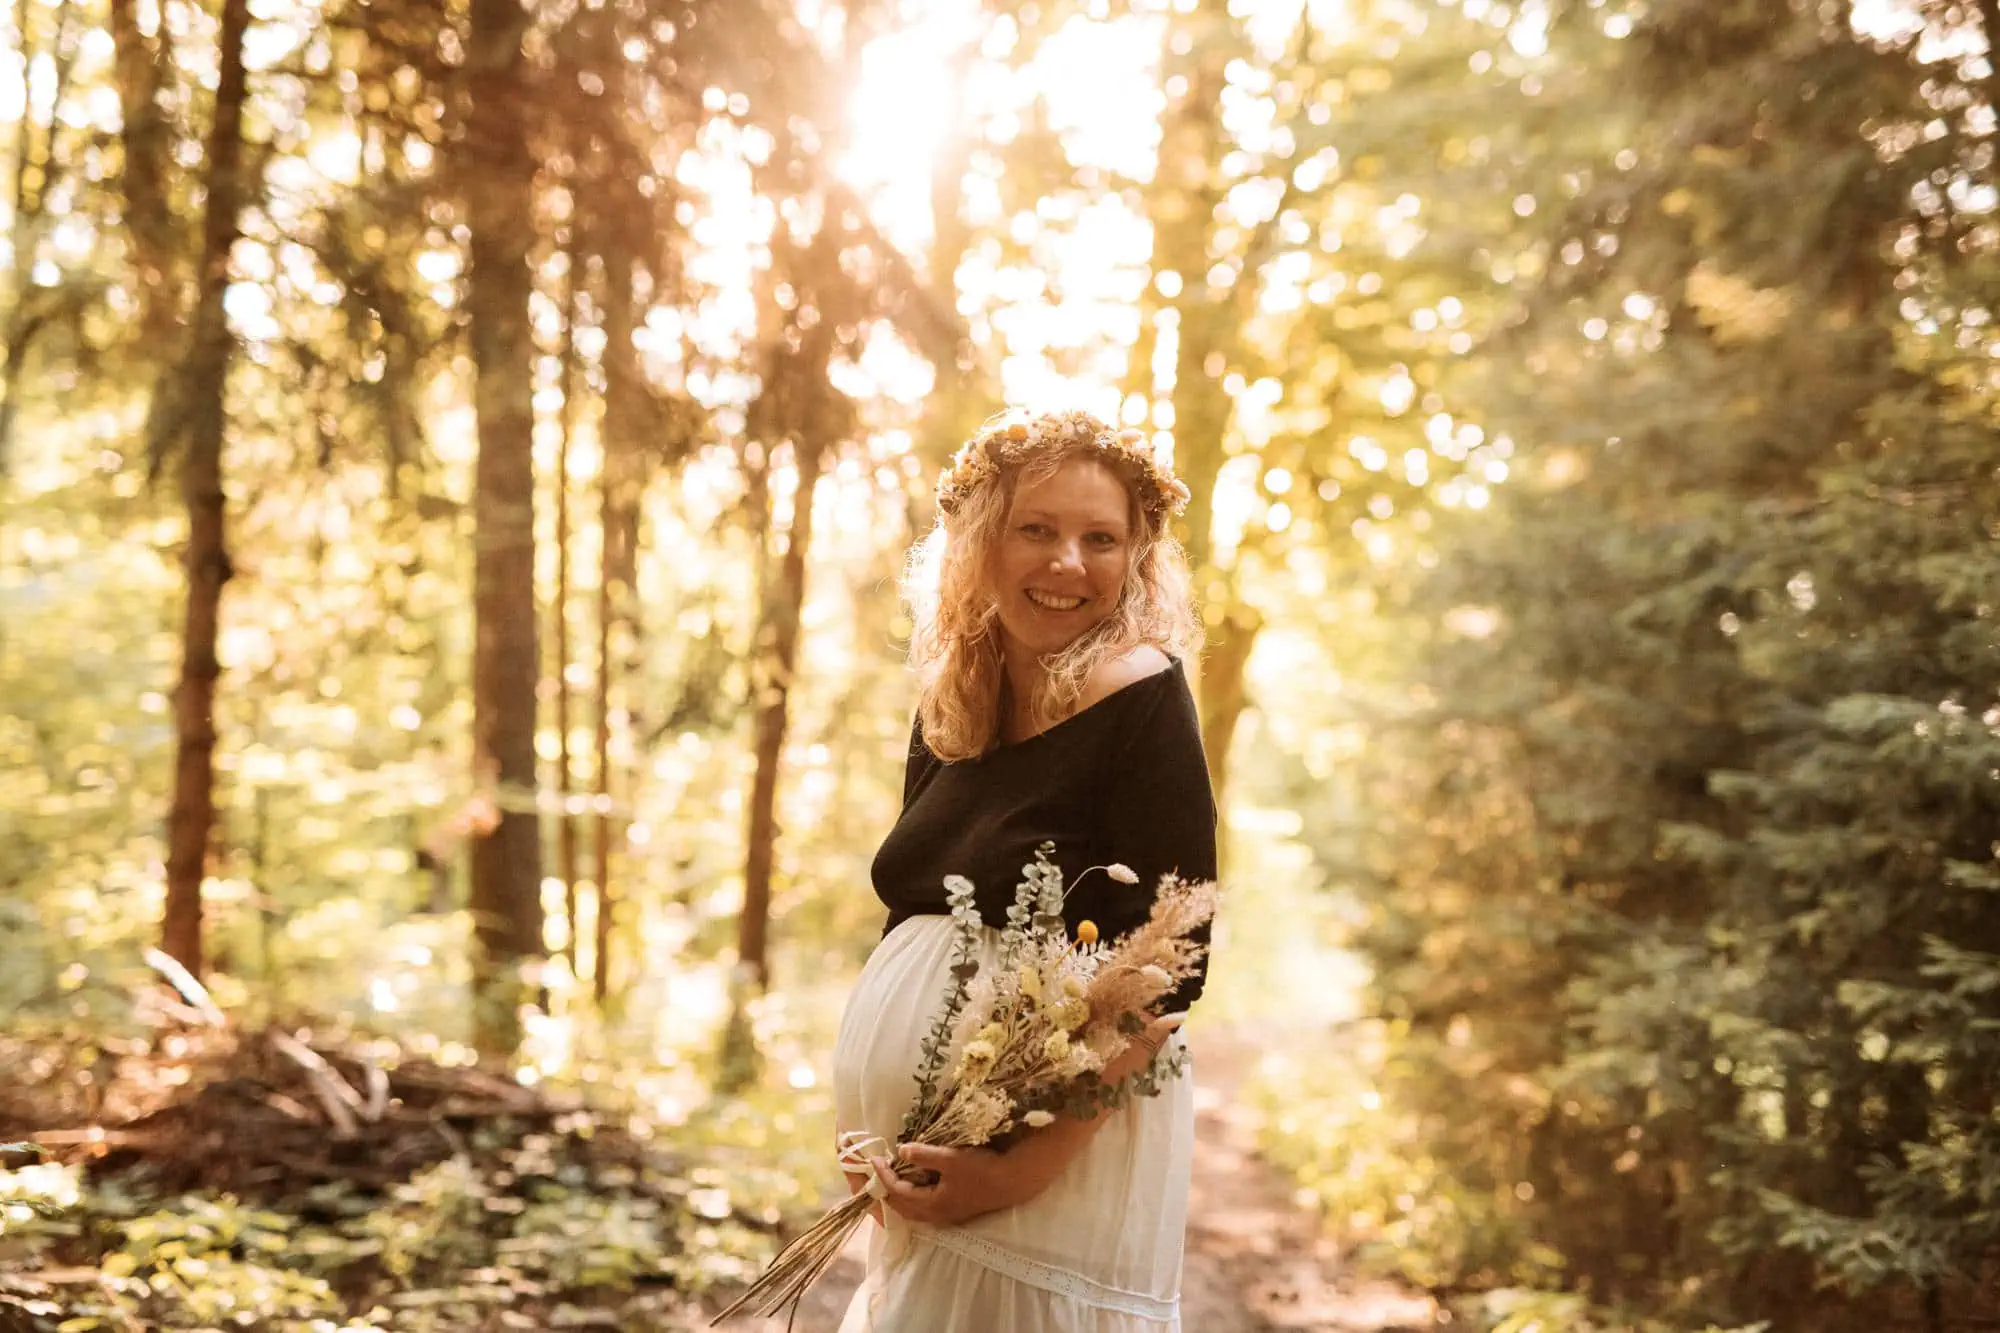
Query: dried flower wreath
point(1013, 437)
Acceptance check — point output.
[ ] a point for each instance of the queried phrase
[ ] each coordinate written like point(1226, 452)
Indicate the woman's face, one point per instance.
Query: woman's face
point(1060, 563)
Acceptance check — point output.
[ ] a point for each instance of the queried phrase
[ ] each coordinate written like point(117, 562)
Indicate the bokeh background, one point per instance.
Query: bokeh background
point(456, 460)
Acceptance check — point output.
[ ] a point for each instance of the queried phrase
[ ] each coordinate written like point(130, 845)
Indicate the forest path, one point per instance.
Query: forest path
point(1257, 1261)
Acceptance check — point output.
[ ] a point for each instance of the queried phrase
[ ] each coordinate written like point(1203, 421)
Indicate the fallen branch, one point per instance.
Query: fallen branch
point(60, 1277)
point(91, 1134)
point(190, 988)
point(378, 1093)
point(341, 1102)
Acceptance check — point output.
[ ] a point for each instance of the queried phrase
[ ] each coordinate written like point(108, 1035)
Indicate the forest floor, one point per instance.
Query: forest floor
point(483, 1148)
point(1257, 1261)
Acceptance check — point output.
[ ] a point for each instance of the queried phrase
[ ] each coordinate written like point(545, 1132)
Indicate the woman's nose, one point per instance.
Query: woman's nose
point(1068, 556)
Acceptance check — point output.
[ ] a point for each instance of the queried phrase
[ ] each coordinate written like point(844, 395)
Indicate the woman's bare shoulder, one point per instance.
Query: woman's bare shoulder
point(1115, 673)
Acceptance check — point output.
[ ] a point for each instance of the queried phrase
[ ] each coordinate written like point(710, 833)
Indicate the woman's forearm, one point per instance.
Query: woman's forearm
point(1035, 1162)
point(968, 1182)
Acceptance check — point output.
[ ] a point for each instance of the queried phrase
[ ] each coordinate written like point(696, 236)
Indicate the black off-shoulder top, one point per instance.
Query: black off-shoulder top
point(1124, 780)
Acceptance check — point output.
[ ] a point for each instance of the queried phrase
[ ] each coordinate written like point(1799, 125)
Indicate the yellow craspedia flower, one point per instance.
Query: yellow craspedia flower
point(1057, 1046)
point(1086, 932)
point(1031, 982)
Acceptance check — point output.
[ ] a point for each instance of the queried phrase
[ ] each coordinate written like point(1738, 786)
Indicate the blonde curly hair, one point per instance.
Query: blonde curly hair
point(955, 640)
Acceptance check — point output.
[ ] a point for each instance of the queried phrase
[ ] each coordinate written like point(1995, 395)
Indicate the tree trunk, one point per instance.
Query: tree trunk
point(31, 307)
point(798, 404)
point(601, 752)
point(192, 819)
point(1208, 341)
point(957, 401)
point(1201, 418)
point(623, 480)
point(1989, 23)
point(260, 887)
point(566, 840)
point(506, 861)
point(22, 330)
point(140, 63)
point(775, 659)
point(1223, 690)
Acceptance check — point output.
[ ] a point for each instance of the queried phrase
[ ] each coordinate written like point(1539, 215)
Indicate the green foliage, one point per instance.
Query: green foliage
point(538, 1223)
point(1387, 1182)
point(83, 737)
point(432, 1222)
point(579, 1241)
point(206, 1261)
point(35, 1194)
point(1673, 855)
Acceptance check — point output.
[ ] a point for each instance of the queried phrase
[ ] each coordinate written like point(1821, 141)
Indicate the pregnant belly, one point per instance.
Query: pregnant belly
point(895, 1002)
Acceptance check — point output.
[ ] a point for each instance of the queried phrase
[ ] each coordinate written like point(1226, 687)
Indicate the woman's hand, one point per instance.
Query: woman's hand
point(974, 1181)
point(971, 1182)
point(856, 1184)
point(1141, 1050)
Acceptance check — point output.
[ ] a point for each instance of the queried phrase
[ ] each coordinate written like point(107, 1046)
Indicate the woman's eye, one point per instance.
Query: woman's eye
point(1036, 530)
point(1103, 539)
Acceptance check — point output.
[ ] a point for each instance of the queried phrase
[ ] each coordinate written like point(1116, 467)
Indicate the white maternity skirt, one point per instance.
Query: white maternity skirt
point(1099, 1251)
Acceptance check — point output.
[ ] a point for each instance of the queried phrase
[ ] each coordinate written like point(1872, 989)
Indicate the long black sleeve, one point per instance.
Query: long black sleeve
point(1159, 813)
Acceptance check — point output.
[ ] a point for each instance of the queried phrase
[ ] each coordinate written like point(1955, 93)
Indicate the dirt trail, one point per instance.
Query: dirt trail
point(1256, 1261)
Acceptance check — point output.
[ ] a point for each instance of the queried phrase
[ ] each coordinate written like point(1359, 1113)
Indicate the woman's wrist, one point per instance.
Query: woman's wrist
point(1034, 1161)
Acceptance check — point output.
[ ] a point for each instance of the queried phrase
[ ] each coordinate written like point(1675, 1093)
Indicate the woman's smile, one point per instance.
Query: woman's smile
point(1060, 566)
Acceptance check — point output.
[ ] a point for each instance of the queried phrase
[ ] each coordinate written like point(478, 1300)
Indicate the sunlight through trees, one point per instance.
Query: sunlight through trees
point(456, 461)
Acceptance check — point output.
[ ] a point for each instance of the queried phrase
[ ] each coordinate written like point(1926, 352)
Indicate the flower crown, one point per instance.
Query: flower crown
point(1013, 437)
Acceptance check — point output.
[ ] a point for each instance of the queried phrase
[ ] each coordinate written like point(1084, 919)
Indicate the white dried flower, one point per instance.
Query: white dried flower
point(980, 1113)
point(1121, 872)
point(1039, 1118)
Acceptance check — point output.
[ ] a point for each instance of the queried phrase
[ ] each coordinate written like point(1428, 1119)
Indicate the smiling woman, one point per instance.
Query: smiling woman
point(1059, 506)
point(1059, 568)
point(1052, 615)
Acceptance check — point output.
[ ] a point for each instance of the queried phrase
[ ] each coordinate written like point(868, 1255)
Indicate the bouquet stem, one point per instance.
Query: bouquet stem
point(783, 1285)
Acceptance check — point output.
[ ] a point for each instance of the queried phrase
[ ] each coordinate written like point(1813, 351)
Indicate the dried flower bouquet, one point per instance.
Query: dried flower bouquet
point(1016, 1046)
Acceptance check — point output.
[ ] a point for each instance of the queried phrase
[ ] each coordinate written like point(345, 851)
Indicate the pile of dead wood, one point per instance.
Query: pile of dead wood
point(269, 1113)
